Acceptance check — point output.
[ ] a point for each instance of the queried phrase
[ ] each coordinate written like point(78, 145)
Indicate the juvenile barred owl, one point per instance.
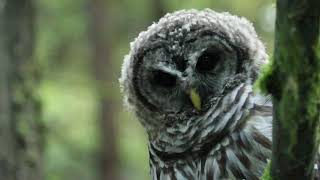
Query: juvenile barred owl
point(189, 79)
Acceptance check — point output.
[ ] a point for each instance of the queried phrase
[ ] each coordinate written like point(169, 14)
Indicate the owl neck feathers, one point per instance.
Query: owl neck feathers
point(227, 142)
point(225, 115)
point(243, 154)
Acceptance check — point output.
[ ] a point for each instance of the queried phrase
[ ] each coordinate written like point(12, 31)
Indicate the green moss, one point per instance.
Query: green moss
point(266, 73)
point(266, 174)
point(287, 115)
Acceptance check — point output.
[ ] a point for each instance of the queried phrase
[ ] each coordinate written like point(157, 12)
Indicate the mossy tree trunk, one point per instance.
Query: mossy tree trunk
point(20, 125)
point(294, 82)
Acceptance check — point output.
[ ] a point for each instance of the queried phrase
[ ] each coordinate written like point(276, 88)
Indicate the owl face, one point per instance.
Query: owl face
point(175, 67)
point(183, 63)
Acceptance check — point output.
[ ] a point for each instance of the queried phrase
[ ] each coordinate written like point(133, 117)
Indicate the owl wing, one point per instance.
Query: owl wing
point(262, 115)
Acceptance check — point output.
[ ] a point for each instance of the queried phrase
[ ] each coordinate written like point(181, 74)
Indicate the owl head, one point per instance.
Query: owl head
point(180, 66)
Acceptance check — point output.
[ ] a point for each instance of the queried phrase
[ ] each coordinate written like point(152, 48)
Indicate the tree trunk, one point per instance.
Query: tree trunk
point(158, 9)
point(20, 125)
point(294, 82)
point(102, 67)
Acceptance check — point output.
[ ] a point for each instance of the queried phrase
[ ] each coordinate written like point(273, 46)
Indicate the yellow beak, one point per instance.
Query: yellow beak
point(195, 99)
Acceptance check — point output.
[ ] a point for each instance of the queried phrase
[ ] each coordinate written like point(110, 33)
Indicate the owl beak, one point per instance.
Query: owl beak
point(195, 99)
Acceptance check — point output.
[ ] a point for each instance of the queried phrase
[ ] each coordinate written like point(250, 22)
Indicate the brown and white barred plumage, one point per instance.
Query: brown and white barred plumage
point(233, 143)
point(230, 138)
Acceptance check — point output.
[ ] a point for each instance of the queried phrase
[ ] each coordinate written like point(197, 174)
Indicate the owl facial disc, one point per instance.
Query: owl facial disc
point(181, 66)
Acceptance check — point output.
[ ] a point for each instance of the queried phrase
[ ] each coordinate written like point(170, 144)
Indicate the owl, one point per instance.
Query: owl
point(189, 80)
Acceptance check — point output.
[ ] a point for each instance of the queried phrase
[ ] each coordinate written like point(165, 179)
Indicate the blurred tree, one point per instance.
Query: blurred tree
point(102, 67)
point(20, 125)
point(159, 9)
point(294, 81)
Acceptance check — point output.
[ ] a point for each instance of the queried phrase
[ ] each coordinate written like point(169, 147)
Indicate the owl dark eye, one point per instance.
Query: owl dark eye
point(163, 79)
point(208, 61)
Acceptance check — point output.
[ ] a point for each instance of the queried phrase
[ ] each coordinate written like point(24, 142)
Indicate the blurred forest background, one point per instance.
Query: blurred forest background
point(78, 50)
